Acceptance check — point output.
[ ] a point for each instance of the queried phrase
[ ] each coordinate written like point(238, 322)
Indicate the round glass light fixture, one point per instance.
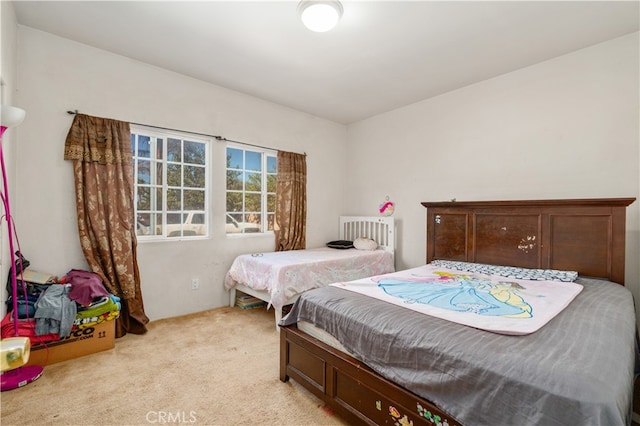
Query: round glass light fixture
point(320, 16)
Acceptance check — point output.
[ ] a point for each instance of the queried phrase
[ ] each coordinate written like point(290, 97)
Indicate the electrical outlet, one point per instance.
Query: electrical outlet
point(195, 283)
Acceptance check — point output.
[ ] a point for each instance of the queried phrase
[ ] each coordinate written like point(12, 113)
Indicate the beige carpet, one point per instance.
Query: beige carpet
point(218, 367)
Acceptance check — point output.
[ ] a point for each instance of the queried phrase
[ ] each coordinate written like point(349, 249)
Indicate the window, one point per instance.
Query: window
point(251, 190)
point(171, 189)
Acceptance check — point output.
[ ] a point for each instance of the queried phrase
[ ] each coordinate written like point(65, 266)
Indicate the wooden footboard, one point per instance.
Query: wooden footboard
point(350, 388)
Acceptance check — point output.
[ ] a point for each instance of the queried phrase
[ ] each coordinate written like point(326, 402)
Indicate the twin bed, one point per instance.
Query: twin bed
point(279, 278)
point(376, 362)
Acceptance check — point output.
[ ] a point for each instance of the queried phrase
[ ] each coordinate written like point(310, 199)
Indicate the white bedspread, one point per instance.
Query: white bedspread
point(286, 274)
point(488, 302)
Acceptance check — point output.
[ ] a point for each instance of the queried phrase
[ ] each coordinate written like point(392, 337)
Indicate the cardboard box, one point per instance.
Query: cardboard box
point(81, 342)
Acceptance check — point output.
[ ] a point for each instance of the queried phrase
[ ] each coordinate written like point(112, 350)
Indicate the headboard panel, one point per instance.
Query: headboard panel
point(584, 235)
point(379, 229)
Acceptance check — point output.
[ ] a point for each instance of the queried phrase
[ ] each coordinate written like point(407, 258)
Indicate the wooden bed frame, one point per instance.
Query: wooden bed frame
point(379, 229)
point(584, 235)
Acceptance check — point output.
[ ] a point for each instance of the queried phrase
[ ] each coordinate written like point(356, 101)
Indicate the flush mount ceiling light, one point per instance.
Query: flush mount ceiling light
point(320, 16)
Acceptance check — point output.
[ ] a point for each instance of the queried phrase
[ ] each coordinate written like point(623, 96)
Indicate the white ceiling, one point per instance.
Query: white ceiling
point(383, 54)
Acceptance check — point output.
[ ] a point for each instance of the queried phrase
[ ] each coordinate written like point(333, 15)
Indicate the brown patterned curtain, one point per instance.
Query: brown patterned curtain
point(100, 149)
point(291, 202)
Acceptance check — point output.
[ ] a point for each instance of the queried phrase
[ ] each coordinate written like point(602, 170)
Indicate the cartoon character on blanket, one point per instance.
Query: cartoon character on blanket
point(461, 292)
point(494, 303)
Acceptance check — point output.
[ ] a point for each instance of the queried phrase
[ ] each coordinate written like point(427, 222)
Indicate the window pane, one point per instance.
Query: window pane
point(272, 164)
point(236, 218)
point(253, 202)
point(174, 150)
point(194, 152)
point(158, 171)
point(144, 146)
point(174, 199)
point(234, 180)
point(174, 224)
point(234, 158)
point(144, 171)
point(233, 224)
point(157, 203)
point(158, 225)
point(174, 175)
point(253, 182)
point(193, 199)
point(194, 176)
point(271, 203)
point(144, 198)
point(234, 201)
point(253, 223)
point(270, 221)
point(143, 221)
point(254, 218)
point(159, 151)
point(272, 180)
point(253, 161)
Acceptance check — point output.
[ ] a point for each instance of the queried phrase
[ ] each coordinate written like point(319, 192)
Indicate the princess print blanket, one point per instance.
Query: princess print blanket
point(493, 303)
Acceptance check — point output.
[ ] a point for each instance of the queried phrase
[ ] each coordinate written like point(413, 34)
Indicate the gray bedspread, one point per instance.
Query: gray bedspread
point(577, 370)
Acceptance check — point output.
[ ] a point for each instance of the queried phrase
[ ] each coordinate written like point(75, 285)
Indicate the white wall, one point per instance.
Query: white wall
point(564, 128)
point(57, 75)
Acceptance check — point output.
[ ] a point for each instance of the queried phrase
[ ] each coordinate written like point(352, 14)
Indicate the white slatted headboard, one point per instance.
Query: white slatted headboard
point(379, 229)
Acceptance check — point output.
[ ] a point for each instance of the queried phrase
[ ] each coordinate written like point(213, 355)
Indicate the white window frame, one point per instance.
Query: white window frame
point(265, 152)
point(160, 209)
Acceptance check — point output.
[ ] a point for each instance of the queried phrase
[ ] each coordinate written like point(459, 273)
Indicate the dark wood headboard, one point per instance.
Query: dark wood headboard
point(583, 235)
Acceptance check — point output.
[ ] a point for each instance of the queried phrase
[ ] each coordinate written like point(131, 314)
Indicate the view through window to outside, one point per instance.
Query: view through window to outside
point(171, 189)
point(251, 190)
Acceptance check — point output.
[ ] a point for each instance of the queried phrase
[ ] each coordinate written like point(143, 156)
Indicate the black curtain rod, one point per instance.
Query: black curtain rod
point(216, 137)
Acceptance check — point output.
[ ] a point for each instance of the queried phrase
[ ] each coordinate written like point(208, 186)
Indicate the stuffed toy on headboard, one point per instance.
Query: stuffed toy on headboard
point(386, 208)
